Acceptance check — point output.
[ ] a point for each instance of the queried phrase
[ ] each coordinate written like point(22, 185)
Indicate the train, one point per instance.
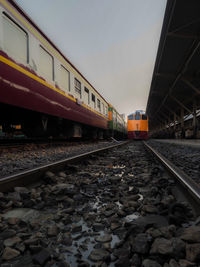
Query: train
point(116, 123)
point(137, 125)
point(42, 92)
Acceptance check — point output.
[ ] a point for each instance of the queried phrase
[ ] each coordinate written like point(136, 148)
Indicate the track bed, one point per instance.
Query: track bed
point(184, 154)
point(117, 208)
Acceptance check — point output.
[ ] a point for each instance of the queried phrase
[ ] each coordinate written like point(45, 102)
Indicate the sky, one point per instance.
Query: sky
point(112, 42)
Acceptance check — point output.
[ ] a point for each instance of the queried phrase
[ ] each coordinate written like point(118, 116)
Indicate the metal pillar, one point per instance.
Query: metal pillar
point(182, 123)
point(194, 122)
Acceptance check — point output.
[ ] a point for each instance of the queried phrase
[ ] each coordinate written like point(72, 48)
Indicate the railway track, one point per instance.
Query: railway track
point(109, 207)
point(27, 177)
point(9, 143)
point(24, 157)
point(192, 189)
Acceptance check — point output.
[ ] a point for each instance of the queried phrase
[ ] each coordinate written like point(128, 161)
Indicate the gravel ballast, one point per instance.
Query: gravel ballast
point(25, 157)
point(186, 157)
point(114, 209)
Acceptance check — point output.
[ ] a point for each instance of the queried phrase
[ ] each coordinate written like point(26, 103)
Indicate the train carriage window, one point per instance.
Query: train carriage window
point(103, 108)
point(137, 116)
point(144, 117)
point(93, 100)
point(64, 78)
point(130, 117)
point(15, 40)
point(77, 85)
point(88, 95)
point(99, 104)
point(46, 66)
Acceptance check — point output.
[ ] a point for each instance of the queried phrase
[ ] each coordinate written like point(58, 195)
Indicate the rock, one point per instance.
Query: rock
point(14, 196)
point(150, 263)
point(115, 226)
point(185, 263)
point(21, 190)
point(107, 246)
point(166, 232)
point(24, 214)
point(109, 213)
point(65, 264)
point(49, 178)
point(174, 247)
point(49, 174)
point(121, 252)
point(31, 241)
point(13, 220)
point(69, 210)
point(197, 221)
point(42, 257)
point(66, 239)
point(104, 238)
point(133, 204)
point(29, 203)
point(6, 205)
point(10, 242)
point(140, 244)
point(173, 263)
point(121, 213)
point(150, 208)
point(63, 188)
point(155, 221)
point(161, 246)
point(10, 253)
point(35, 249)
point(179, 213)
point(76, 228)
point(98, 227)
point(62, 174)
point(20, 247)
point(7, 233)
point(193, 252)
point(154, 232)
point(66, 219)
point(191, 234)
point(178, 247)
point(123, 261)
point(135, 260)
point(52, 230)
point(99, 255)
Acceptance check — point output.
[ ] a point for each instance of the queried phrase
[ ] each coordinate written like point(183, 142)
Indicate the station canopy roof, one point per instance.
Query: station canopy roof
point(176, 77)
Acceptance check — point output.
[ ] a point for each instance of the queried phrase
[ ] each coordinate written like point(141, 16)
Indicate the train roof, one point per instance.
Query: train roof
point(137, 111)
point(21, 11)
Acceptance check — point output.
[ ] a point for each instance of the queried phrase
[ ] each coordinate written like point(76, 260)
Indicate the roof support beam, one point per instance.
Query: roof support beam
point(180, 104)
point(194, 47)
point(171, 111)
point(165, 75)
point(184, 36)
point(185, 25)
point(191, 85)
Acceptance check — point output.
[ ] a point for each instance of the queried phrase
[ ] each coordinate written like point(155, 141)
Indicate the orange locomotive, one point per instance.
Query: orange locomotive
point(137, 125)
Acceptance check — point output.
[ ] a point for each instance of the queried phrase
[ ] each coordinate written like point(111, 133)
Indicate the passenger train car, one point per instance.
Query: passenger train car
point(117, 125)
point(40, 89)
point(137, 125)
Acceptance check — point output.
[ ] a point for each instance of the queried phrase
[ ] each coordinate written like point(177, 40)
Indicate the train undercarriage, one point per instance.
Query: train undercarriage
point(18, 121)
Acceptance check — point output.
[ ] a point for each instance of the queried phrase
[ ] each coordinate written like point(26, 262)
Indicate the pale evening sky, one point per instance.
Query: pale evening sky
point(112, 42)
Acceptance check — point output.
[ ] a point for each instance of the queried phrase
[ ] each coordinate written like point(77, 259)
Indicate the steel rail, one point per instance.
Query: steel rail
point(27, 177)
point(192, 187)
